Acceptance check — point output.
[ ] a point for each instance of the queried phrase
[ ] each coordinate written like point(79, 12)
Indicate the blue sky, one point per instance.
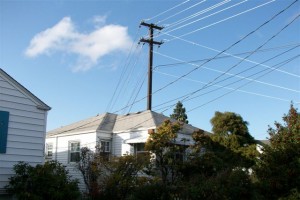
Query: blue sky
point(83, 58)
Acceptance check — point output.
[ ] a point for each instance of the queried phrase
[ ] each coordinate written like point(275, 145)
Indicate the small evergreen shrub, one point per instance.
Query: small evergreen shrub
point(48, 182)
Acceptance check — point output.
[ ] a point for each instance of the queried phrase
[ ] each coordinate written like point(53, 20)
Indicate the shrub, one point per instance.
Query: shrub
point(48, 181)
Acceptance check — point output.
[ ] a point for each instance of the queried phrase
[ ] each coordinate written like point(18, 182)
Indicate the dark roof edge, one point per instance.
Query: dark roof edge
point(41, 105)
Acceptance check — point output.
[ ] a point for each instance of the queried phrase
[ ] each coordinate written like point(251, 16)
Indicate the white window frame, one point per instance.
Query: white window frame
point(77, 151)
point(50, 144)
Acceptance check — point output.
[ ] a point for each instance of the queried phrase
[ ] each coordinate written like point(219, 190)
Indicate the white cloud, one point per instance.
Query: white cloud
point(99, 20)
point(89, 47)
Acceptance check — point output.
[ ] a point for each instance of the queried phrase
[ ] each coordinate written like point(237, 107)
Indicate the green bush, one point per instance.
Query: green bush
point(48, 181)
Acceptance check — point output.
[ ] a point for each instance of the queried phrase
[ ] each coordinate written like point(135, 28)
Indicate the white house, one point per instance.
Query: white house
point(23, 119)
point(116, 134)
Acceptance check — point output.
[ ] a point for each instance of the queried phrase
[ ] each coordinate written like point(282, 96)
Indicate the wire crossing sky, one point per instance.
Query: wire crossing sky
point(83, 57)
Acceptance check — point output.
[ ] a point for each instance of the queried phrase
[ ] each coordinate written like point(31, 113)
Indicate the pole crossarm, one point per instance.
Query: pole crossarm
point(151, 42)
point(151, 25)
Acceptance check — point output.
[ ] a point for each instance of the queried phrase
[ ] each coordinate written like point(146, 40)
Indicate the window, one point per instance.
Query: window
point(4, 118)
point(74, 150)
point(49, 150)
point(105, 146)
point(139, 149)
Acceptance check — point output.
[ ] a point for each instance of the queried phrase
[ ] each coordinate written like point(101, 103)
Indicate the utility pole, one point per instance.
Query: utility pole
point(151, 42)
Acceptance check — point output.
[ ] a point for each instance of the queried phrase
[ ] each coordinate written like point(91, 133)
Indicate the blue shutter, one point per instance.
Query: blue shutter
point(3, 130)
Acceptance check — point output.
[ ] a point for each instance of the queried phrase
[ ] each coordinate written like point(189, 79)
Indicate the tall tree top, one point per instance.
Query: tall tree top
point(179, 113)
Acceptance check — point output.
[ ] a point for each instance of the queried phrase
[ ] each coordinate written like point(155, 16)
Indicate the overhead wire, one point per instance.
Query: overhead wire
point(285, 62)
point(223, 20)
point(232, 45)
point(229, 55)
point(172, 8)
point(214, 85)
point(139, 83)
point(186, 97)
point(194, 5)
point(225, 86)
point(124, 69)
point(235, 56)
point(166, 29)
point(230, 74)
point(196, 14)
point(238, 63)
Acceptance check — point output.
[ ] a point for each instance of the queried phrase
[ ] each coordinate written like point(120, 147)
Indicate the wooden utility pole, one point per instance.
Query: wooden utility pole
point(151, 42)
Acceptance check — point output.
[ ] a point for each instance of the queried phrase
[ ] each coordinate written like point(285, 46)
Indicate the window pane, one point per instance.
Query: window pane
point(75, 157)
point(74, 151)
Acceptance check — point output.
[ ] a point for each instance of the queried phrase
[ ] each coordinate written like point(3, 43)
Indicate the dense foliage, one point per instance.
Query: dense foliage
point(278, 169)
point(179, 113)
point(222, 165)
point(49, 181)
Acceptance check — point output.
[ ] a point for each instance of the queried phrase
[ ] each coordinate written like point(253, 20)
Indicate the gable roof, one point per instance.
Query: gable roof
point(39, 103)
point(118, 123)
point(104, 122)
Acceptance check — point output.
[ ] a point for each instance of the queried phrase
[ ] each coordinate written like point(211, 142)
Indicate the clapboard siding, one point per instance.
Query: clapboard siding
point(12, 163)
point(26, 127)
point(20, 106)
point(16, 157)
point(24, 145)
point(120, 148)
point(27, 120)
point(26, 133)
point(11, 92)
point(5, 84)
point(61, 151)
point(16, 99)
point(26, 139)
point(6, 170)
point(23, 113)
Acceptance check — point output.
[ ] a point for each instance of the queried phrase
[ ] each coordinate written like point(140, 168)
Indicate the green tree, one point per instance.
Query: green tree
point(214, 171)
point(278, 169)
point(162, 144)
point(48, 181)
point(179, 113)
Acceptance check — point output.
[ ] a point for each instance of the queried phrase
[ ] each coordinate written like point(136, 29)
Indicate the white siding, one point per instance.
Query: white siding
point(26, 130)
point(61, 151)
point(119, 147)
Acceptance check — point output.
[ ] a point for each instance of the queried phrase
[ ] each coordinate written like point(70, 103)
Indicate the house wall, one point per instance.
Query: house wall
point(26, 131)
point(119, 147)
point(61, 151)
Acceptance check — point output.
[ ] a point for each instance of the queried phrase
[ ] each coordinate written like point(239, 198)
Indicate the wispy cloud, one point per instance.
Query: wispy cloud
point(89, 47)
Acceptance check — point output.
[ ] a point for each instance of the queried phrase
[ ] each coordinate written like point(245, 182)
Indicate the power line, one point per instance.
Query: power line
point(247, 78)
point(215, 23)
point(149, 19)
point(243, 38)
point(186, 97)
point(197, 14)
point(127, 62)
point(214, 85)
point(182, 11)
point(235, 56)
point(229, 74)
point(267, 41)
point(285, 62)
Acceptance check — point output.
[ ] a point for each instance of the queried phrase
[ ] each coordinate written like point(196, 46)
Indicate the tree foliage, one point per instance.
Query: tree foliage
point(162, 144)
point(278, 169)
point(222, 165)
point(45, 182)
point(179, 113)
